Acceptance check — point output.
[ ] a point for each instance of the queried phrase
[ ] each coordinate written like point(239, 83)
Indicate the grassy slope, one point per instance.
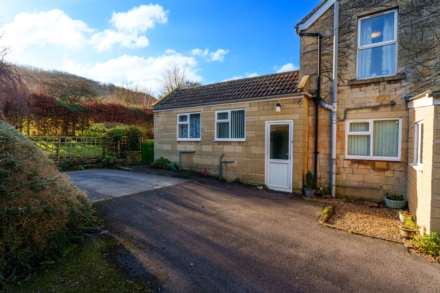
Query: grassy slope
point(85, 269)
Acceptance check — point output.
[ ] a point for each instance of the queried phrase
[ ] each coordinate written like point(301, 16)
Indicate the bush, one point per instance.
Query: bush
point(108, 161)
point(41, 212)
point(162, 163)
point(429, 244)
point(148, 152)
point(134, 136)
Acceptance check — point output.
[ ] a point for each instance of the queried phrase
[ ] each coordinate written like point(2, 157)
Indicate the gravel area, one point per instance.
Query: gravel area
point(365, 218)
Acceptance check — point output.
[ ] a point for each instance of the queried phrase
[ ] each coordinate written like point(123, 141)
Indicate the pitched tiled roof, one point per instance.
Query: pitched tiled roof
point(274, 85)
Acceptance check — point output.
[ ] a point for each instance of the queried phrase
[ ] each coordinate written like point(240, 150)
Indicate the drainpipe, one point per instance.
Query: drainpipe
point(332, 174)
point(317, 100)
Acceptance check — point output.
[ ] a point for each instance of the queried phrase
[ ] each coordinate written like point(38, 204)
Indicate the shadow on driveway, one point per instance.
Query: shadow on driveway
point(199, 237)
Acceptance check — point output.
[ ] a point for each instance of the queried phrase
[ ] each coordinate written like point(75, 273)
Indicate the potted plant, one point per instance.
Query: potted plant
point(309, 185)
point(404, 214)
point(395, 201)
point(408, 228)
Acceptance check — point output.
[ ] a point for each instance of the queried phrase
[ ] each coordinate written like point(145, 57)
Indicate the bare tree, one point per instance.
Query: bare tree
point(13, 92)
point(174, 78)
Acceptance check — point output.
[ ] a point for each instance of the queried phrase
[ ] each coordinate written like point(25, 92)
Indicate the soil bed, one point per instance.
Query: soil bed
point(365, 218)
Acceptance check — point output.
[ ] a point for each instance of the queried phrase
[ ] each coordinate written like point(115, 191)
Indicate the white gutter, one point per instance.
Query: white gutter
point(334, 96)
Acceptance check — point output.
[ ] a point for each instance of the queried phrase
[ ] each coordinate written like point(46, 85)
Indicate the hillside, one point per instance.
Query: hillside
point(68, 86)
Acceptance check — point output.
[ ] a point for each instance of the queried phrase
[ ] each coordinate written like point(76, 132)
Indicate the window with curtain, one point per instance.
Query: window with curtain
point(418, 143)
point(374, 139)
point(377, 45)
point(230, 125)
point(188, 126)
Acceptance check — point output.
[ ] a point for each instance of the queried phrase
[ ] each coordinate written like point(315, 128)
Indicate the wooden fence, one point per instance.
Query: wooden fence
point(61, 148)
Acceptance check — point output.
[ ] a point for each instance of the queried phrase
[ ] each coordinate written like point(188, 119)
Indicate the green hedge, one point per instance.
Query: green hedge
point(148, 152)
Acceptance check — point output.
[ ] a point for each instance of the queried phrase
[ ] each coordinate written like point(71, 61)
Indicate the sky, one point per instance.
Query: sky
point(134, 43)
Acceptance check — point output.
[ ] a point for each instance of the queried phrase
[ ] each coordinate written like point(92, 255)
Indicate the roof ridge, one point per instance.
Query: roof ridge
point(240, 79)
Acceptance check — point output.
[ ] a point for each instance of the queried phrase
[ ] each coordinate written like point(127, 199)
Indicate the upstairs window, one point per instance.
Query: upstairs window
point(188, 126)
point(374, 139)
point(230, 125)
point(377, 45)
point(418, 143)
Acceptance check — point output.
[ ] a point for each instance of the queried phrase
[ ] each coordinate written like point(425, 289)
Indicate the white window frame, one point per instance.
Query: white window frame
point(381, 44)
point(230, 125)
point(418, 143)
point(370, 132)
point(189, 126)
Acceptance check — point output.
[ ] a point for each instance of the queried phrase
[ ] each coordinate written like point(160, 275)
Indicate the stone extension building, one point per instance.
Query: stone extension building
point(362, 114)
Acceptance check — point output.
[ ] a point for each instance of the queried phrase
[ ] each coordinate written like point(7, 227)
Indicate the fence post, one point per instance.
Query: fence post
point(58, 148)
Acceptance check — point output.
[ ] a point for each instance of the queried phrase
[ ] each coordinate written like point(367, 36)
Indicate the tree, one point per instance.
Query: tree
point(13, 92)
point(175, 78)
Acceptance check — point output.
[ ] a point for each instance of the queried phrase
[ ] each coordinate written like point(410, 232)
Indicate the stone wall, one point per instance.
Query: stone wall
point(248, 156)
point(375, 98)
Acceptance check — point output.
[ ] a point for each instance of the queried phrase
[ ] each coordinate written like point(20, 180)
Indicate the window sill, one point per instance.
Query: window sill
point(229, 140)
point(377, 159)
point(189, 140)
point(417, 167)
point(393, 78)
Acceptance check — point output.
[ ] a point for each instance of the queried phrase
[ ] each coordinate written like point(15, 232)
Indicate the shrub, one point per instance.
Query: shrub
point(429, 244)
point(148, 152)
point(134, 136)
point(398, 197)
point(162, 163)
point(310, 180)
point(41, 212)
point(108, 161)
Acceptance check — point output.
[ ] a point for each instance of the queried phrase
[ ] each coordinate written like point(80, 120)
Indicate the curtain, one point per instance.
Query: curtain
point(222, 129)
point(237, 124)
point(359, 145)
point(386, 138)
point(194, 121)
point(359, 126)
point(183, 130)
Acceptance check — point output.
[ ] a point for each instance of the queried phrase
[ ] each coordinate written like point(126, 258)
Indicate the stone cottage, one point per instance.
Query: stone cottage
point(361, 115)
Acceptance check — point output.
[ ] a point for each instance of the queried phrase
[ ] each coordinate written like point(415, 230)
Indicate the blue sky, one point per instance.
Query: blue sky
point(133, 43)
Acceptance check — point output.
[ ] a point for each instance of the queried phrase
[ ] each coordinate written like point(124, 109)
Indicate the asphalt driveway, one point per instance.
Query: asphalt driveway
point(204, 236)
point(102, 184)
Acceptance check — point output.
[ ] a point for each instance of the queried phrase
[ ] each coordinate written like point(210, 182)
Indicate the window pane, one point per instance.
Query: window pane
point(222, 116)
point(416, 143)
point(279, 142)
point(183, 130)
point(386, 138)
point(194, 122)
point(377, 29)
point(359, 145)
point(183, 118)
point(377, 61)
point(359, 126)
point(237, 121)
point(222, 130)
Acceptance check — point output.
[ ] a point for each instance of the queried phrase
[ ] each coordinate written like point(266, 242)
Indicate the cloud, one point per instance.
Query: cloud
point(247, 75)
point(43, 29)
point(139, 19)
point(137, 72)
point(287, 67)
point(218, 55)
point(106, 39)
point(130, 28)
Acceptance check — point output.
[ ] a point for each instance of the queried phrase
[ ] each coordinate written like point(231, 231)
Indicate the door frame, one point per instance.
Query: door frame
point(267, 154)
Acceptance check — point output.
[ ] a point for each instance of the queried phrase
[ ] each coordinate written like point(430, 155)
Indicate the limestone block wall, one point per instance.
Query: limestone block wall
point(248, 156)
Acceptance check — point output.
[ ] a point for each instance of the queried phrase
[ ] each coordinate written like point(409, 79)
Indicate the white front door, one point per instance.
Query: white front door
point(279, 142)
